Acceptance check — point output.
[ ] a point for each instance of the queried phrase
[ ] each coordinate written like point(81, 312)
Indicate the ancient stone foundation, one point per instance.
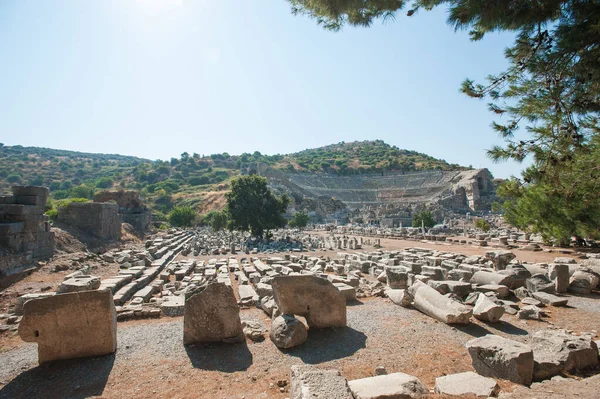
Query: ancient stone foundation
point(25, 234)
point(74, 325)
point(96, 219)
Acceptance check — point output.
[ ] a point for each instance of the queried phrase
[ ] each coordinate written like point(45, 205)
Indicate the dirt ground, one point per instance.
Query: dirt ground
point(151, 361)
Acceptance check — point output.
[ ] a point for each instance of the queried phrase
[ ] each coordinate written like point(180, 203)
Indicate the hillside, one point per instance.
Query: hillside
point(196, 180)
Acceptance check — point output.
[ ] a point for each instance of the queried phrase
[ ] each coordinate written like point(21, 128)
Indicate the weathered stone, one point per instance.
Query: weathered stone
point(312, 297)
point(549, 299)
point(581, 287)
point(173, 306)
point(211, 314)
point(389, 386)
point(397, 277)
point(500, 258)
point(529, 312)
point(539, 282)
point(268, 305)
point(494, 356)
point(348, 291)
point(78, 284)
point(587, 274)
point(483, 277)
point(28, 297)
point(501, 291)
point(253, 330)
point(400, 297)
point(487, 310)
point(467, 383)
point(561, 277)
point(288, 332)
point(73, 325)
point(307, 382)
point(434, 304)
point(263, 289)
point(555, 351)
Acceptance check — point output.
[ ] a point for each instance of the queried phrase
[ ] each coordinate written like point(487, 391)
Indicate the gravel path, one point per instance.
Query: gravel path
point(152, 362)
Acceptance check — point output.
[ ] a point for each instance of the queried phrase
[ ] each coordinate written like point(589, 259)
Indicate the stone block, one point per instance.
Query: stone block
point(395, 385)
point(307, 382)
point(211, 314)
point(466, 384)
point(73, 325)
point(494, 356)
point(313, 297)
point(432, 303)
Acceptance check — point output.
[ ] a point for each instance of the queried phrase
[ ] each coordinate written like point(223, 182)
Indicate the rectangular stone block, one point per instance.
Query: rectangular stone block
point(74, 325)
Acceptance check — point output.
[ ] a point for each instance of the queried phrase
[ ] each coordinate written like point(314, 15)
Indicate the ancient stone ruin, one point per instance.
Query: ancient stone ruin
point(72, 325)
point(91, 218)
point(211, 314)
point(25, 234)
point(131, 208)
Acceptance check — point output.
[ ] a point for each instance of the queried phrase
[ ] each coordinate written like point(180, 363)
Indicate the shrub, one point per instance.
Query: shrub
point(182, 216)
point(482, 224)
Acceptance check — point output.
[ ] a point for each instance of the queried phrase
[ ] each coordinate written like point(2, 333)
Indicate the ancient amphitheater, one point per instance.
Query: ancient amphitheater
point(393, 194)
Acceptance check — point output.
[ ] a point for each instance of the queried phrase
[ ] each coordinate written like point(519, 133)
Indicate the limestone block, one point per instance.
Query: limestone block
point(555, 351)
point(396, 277)
point(307, 382)
point(550, 299)
point(484, 277)
point(78, 284)
point(561, 277)
point(539, 282)
point(211, 314)
point(72, 325)
point(395, 385)
point(288, 332)
point(313, 297)
point(467, 383)
point(173, 306)
point(487, 310)
point(349, 292)
point(494, 356)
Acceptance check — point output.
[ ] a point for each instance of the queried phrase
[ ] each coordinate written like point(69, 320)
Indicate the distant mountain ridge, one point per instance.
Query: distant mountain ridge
point(192, 179)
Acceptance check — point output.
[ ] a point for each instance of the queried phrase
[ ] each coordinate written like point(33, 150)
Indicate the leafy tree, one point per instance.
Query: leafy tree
point(482, 224)
point(425, 217)
point(104, 182)
point(182, 216)
point(253, 207)
point(219, 220)
point(13, 178)
point(299, 220)
point(81, 191)
point(551, 89)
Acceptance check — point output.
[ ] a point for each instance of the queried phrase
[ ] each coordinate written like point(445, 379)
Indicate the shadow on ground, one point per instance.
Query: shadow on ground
point(76, 378)
point(477, 331)
point(227, 358)
point(329, 344)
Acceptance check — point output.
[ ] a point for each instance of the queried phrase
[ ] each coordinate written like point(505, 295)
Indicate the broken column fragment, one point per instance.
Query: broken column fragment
point(307, 382)
point(73, 325)
point(211, 314)
point(429, 301)
point(313, 297)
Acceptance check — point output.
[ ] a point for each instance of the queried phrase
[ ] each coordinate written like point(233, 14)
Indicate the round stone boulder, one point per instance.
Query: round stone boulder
point(288, 332)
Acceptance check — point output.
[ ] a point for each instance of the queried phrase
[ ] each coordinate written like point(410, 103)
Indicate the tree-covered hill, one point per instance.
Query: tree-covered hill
point(196, 180)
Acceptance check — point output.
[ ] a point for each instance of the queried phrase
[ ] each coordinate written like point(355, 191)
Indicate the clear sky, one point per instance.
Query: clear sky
point(155, 78)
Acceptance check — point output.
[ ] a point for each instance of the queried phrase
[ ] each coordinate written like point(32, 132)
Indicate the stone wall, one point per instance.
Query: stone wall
point(131, 207)
point(97, 219)
point(25, 234)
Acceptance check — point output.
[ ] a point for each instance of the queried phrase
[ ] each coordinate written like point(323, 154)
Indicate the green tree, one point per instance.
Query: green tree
point(253, 207)
point(299, 220)
point(104, 182)
point(219, 220)
point(482, 224)
point(182, 216)
point(81, 191)
point(551, 89)
point(425, 217)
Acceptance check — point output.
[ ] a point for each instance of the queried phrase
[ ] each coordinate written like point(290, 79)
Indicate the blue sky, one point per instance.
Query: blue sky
point(155, 78)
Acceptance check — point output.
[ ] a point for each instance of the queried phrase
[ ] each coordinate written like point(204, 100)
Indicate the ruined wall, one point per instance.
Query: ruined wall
point(97, 219)
point(131, 207)
point(25, 234)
